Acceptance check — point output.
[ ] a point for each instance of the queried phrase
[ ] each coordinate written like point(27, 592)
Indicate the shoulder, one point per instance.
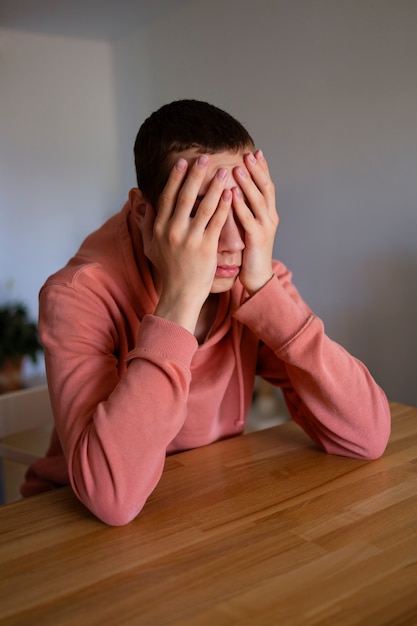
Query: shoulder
point(100, 259)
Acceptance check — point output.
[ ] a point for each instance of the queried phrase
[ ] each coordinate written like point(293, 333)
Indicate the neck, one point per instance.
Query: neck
point(206, 318)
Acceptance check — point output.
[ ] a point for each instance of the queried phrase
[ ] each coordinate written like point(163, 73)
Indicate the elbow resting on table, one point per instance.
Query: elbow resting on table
point(378, 446)
point(112, 507)
point(372, 444)
point(118, 518)
point(374, 450)
point(378, 439)
point(117, 515)
point(374, 430)
point(367, 442)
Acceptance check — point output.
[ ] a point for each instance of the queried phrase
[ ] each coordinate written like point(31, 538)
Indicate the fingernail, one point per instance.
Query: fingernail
point(260, 154)
point(202, 160)
point(227, 195)
point(241, 171)
point(181, 164)
point(222, 173)
point(251, 158)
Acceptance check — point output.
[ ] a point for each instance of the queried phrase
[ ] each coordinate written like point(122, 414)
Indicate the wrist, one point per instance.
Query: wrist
point(180, 311)
point(254, 286)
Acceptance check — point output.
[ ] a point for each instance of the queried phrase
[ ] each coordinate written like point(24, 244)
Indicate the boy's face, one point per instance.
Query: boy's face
point(231, 241)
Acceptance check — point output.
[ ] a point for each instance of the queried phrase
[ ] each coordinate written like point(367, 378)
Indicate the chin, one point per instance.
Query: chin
point(220, 285)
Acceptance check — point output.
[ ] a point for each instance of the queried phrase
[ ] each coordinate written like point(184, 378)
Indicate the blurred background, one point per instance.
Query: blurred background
point(327, 88)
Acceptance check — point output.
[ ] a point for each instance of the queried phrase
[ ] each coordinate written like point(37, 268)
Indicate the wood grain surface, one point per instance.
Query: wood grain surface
point(261, 530)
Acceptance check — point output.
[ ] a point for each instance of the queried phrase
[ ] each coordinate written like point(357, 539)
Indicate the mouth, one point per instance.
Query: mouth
point(227, 271)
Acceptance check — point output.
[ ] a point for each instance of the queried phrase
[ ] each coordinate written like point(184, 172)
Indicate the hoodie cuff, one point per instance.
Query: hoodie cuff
point(160, 340)
point(273, 316)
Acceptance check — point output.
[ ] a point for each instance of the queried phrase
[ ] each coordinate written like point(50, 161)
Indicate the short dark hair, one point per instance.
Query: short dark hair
point(179, 126)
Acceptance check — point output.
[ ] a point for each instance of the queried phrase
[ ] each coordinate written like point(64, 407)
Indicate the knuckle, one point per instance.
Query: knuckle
point(173, 237)
point(205, 210)
point(158, 228)
point(186, 196)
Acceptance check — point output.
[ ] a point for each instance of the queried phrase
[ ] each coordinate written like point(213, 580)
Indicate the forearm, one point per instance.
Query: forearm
point(118, 459)
point(114, 429)
point(180, 310)
point(335, 399)
point(330, 393)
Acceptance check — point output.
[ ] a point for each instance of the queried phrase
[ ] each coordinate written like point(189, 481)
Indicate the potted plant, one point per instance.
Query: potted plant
point(18, 338)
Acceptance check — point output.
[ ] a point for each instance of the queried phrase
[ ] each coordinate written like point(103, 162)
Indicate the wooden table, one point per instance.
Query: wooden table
point(261, 530)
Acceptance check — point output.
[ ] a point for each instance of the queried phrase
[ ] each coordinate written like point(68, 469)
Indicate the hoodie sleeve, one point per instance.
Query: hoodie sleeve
point(114, 431)
point(329, 393)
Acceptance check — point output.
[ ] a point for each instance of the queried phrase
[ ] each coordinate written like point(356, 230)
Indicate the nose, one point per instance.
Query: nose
point(232, 235)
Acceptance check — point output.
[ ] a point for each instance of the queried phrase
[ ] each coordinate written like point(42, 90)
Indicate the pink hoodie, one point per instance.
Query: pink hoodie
point(127, 387)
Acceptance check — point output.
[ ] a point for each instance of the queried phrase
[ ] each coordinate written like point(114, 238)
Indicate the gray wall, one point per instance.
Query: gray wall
point(328, 89)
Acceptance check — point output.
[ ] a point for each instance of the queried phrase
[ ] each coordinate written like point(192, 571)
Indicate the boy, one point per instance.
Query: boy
point(156, 328)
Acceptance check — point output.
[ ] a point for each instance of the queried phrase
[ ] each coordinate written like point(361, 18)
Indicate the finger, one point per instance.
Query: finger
point(168, 198)
point(248, 190)
point(243, 211)
point(259, 155)
point(256, 183)
point(209, 203)
point(219, 217)
point(189, 191)
point(258, 169)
